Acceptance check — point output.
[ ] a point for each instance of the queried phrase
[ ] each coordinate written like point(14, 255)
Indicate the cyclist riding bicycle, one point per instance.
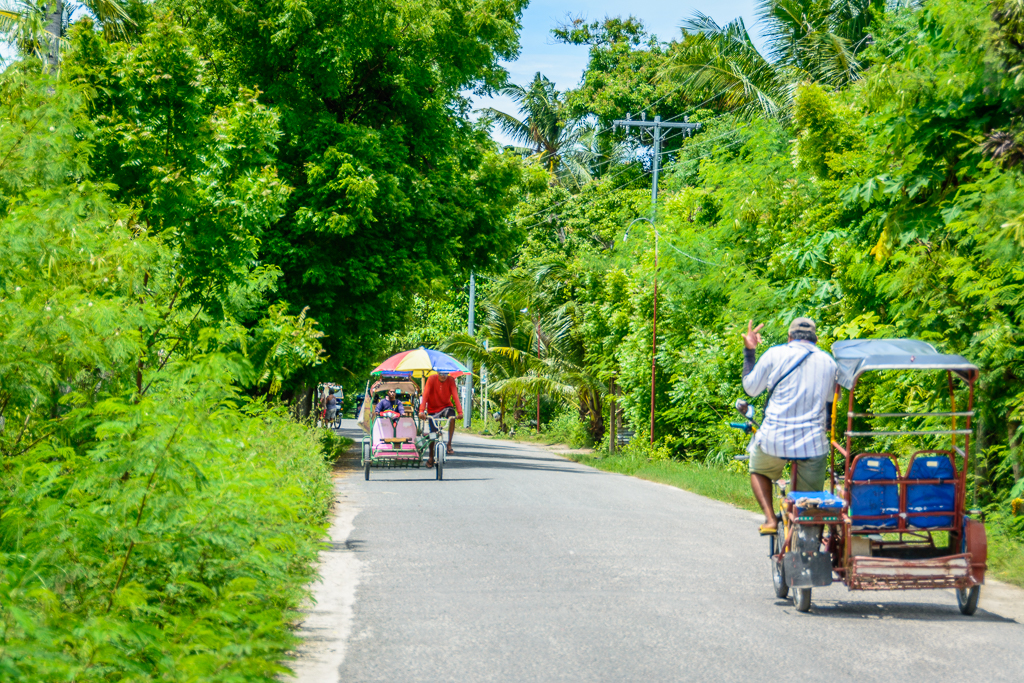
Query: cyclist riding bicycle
point(440, 394)
point(800, 379)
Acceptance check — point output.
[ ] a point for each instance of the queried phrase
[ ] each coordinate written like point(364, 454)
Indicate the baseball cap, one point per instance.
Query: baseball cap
point(803, 324)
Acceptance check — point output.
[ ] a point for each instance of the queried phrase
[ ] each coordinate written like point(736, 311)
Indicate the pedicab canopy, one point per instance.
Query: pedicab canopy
point(857, 356)
point(420, 363)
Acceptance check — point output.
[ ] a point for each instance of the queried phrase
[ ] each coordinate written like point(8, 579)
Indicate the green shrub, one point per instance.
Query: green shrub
point(567, 428)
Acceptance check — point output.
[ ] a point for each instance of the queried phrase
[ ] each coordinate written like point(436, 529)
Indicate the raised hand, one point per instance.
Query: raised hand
point(753, 336)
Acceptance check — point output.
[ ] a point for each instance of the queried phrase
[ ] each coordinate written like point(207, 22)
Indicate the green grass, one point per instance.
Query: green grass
point(728, 486)
point(1005, 556)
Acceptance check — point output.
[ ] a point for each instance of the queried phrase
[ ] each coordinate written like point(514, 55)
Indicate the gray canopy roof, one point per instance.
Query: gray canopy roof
point(857, 356)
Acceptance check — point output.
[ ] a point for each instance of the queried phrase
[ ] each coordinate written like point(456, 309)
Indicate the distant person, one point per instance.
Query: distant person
point(440, 400)
point(801, 380)
point(331, 407)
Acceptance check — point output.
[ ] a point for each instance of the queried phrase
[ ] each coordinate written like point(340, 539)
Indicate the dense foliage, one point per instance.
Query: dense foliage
point(394, 190)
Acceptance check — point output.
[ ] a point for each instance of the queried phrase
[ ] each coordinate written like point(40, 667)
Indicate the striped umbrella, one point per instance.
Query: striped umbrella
point(420, 363)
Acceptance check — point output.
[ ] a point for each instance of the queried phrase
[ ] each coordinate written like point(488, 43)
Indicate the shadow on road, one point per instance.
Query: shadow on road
point(903, 611)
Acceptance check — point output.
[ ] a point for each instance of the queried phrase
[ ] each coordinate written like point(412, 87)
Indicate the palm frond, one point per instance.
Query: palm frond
point(113, 17)
point(510, 126)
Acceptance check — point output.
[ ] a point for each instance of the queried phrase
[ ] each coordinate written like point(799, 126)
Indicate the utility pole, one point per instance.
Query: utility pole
point(467, 420)
point(483, 390)
point(657, 126)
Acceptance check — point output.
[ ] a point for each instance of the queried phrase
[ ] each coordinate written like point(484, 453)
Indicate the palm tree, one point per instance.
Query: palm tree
point(807, 40)
point(530, 324)
point(545, 131)
point(510, 338)
point(36, 27)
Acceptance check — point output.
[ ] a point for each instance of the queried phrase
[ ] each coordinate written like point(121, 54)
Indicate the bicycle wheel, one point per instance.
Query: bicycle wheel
point(802, 599)
point(967, 599)
point(778, 570)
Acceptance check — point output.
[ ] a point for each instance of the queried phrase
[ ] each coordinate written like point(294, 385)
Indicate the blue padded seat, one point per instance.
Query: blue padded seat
point(931, 497)
point(874, 499)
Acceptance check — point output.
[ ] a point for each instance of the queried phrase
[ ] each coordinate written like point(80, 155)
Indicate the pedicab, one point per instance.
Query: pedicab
point(403, 441)
point(896, 518)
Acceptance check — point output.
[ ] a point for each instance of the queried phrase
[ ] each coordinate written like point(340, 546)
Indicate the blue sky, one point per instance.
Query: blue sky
point(564, 64)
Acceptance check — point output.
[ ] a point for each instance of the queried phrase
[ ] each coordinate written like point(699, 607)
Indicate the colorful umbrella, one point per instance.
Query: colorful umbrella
point(420, 363)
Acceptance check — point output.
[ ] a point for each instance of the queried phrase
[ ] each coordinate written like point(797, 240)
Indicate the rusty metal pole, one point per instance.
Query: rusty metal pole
point(537, 324)
point(611, 414)
point(654, 336)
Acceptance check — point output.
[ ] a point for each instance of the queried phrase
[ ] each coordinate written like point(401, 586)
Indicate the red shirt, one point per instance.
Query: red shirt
point(438, 395)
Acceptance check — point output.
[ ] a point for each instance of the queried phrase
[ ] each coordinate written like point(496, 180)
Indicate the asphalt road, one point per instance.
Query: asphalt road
point(523, 566)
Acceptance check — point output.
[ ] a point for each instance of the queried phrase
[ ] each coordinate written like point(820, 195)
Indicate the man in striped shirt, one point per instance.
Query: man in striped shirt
point(801, 380)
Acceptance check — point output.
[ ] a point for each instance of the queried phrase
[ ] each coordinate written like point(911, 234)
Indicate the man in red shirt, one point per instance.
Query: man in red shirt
point(439, 395)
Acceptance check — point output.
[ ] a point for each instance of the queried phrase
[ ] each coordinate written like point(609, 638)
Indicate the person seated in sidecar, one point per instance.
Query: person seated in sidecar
point(390, 403)
point(800, 379)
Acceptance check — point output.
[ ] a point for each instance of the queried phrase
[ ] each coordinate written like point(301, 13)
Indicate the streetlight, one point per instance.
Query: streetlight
point(654, 334)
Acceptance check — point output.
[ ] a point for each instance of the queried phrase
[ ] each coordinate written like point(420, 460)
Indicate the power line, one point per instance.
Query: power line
point(686, 113)
point(626, 169)
point(570, 198)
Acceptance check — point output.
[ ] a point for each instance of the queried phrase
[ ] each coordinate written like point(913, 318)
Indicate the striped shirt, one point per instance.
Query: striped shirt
point(794, 425)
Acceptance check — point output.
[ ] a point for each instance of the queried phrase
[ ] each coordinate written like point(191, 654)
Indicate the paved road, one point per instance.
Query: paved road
point(522, 566)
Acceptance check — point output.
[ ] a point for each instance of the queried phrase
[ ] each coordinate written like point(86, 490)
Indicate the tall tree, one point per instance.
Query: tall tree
point(394, 187)
point(548, 130)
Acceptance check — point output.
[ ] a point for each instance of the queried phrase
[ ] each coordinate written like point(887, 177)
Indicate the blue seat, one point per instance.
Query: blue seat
point(931, 497)
point(874, 499)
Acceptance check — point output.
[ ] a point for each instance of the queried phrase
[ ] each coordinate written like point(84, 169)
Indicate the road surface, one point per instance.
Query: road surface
point(523, 566)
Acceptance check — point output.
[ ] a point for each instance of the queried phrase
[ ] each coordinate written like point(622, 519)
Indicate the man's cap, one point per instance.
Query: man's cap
point(803, 325)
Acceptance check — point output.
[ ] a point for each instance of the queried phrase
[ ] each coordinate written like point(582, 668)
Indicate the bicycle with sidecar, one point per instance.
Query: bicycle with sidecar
point(397, 441)
point(890, 520)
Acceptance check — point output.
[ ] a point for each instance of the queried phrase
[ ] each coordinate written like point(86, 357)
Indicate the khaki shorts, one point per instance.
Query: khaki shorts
point(810, 473)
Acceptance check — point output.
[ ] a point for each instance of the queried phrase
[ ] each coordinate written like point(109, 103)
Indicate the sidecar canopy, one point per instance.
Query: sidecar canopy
point(857, 356)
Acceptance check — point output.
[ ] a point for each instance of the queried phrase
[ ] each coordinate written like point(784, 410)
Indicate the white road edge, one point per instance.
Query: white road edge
point(328, 623)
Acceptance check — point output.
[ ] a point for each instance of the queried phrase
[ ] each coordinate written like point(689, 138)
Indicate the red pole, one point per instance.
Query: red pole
point(654, 338)
point(537, 324)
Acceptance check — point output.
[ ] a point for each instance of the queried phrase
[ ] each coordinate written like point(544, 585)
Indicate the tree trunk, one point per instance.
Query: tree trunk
point(54, 13)
point(1012, 428)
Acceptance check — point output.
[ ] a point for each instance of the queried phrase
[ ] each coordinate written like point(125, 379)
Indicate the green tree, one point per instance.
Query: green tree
point(394, 188)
